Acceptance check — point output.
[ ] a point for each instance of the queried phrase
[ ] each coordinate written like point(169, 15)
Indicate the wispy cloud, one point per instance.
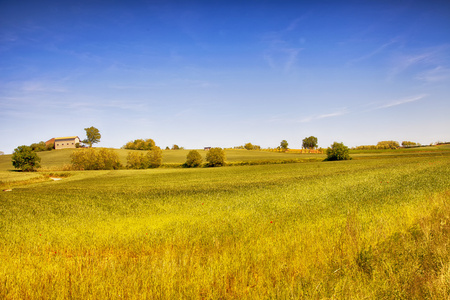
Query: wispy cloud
point(120, 105)
point(42, 87)
point(137, 87)
point(435, 75)
point(177, 83)
point(338, 113)
point(282, 58)
point(429, 58)
point(402, 101)
point(281, 52)
point(375, 52)
point(288, 118)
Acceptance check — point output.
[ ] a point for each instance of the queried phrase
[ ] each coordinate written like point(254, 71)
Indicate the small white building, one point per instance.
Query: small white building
point(66, 142)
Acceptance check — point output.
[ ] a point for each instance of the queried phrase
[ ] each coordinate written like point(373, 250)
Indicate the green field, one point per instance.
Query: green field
point(376, 227)
point(56, 160)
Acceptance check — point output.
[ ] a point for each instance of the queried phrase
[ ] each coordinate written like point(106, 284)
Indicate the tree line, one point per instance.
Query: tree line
point(384, 145)
point(26, 159)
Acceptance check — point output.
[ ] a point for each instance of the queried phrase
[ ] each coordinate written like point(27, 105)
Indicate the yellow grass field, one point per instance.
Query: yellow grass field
point(373, 228)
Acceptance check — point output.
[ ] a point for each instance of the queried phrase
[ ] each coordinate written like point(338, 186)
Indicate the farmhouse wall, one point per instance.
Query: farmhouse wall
point(50, 141)
point(66, 142)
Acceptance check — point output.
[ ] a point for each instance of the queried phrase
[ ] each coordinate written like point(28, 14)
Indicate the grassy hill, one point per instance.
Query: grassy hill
point(359, 229)
point(57, 159)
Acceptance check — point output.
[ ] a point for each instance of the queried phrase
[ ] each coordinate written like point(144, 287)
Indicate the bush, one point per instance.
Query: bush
point(136, 161)
point(51, 146)
point(193, 159)
point(151, 159)
point(108, 160)
point(338, 151)
point(93, 159)
point(409, 144)
point(38, 147)
point(248, 146)
point(215, 157)
point(154, 158)
point(140, 144)
point(388, 145)
point(25, 158)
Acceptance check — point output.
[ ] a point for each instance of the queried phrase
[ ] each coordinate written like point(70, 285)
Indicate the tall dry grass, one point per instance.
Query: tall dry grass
point(368, 229)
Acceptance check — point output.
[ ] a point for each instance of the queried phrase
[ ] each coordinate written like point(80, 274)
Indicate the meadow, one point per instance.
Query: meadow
point(376, 227)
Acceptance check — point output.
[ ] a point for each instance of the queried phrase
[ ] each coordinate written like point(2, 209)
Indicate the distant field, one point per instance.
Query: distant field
point(405, 150)
point(58, 158)
point(362, 229)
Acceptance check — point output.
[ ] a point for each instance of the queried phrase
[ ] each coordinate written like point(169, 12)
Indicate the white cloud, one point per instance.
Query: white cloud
point(402, 101)
point(435, 75)
point(429, 58)
point(281, 53)
point(42, 87)
point(373, 53)
point(338, 113)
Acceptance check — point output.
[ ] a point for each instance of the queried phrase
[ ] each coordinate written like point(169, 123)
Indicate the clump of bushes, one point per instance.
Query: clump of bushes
point(388, 145)
point(250, 146)
point(150, 159)
point(95, 159)
point(380, 146)
point(140, 144)
point(193, 159)
point(337, 151)
point(407, 144)
point(215, 157)
point(41, 146)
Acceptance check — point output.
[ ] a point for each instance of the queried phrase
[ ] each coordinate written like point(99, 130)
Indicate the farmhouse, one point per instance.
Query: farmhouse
point(65, 142)
point(50, 142)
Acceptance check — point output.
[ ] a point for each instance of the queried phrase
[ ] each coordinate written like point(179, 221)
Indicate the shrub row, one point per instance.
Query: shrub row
point(140, 144)
point(380, 146)
point(150, 159)
point(93, 159)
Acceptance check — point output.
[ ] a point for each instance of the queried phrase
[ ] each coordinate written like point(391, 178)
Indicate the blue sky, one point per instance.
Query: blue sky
point(223, 73)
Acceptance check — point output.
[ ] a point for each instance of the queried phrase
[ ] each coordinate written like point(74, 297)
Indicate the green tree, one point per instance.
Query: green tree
point(215, 157)
point(193, 159)
point(38, 147)
point(284, 145)
point(337, 151)
point(92, 136)
point(309, 142)
point(175, 147)
point(248, 146)
point(25, 158)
